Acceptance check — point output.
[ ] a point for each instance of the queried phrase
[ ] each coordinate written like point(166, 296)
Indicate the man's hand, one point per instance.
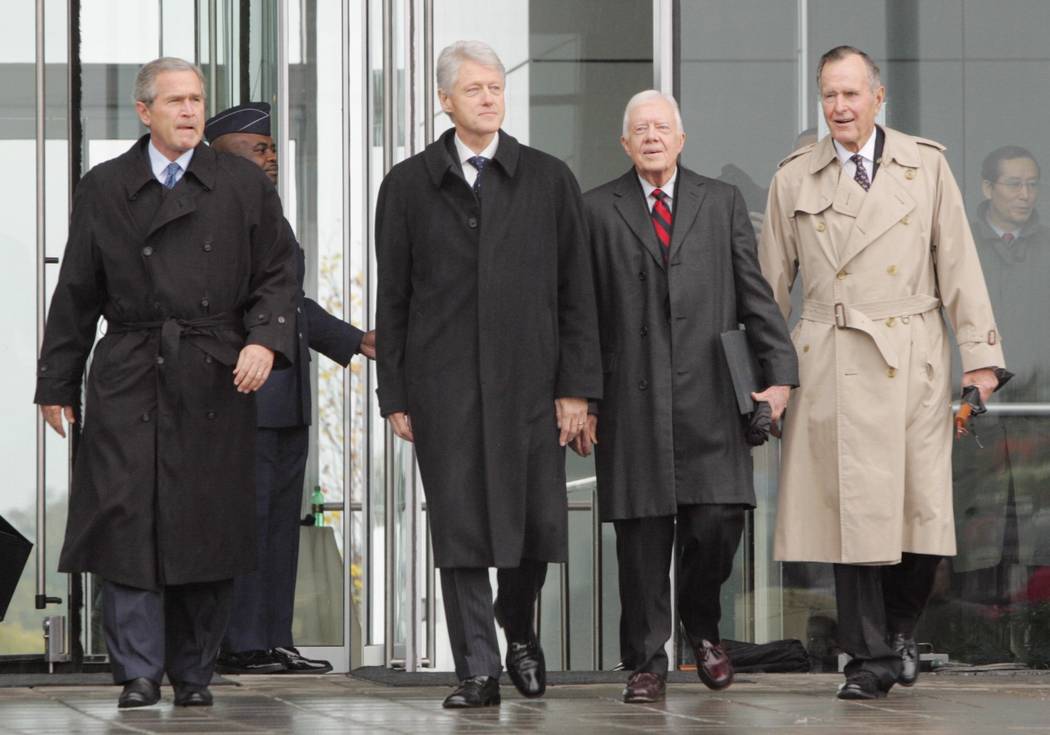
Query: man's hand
point(777, 398)
point(586, 439)
point(572, 417)
point(368, 344)
point(253, 368)
point(984, 379)
point(402, 425)
point(53, 416)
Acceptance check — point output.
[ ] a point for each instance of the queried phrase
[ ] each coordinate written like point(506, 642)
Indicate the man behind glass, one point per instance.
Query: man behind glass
point(487, 356)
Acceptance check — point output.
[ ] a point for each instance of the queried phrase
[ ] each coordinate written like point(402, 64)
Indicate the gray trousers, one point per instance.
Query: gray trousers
point(174, 630)
point(469, 613)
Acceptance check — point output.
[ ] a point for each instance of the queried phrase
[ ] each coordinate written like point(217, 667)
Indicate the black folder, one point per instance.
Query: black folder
point(14, 552)
point(743, 368)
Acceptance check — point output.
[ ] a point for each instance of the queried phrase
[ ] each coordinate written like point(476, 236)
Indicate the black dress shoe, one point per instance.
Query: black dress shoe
point(527, 668)
point(249, 662)
point(140, 692)
point(192, 695)
point(861, 685)
point(295, 663)
point(478, 691)
point(908, 650)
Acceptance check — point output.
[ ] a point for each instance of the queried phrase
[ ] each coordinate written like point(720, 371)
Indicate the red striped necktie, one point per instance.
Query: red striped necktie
point(661, 215)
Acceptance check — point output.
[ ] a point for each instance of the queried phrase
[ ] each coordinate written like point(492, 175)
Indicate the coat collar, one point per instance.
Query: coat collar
point(896, 147)
point(630, 203)
point(440, 160)
point(136, 171)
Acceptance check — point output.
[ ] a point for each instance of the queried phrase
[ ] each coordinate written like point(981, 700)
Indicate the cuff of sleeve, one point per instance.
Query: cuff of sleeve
point(977, 355)
point(57, 392)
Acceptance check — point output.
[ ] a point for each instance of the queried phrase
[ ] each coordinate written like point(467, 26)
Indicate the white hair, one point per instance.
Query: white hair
point(453, 55)
point(146, 80)
point(647, 96)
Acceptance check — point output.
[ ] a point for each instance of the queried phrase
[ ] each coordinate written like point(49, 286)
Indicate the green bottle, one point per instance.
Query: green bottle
point(317, 505)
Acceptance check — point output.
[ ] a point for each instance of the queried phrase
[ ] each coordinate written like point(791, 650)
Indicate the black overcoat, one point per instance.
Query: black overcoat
point(485, 314)
point(669, 431)
point(163, 488)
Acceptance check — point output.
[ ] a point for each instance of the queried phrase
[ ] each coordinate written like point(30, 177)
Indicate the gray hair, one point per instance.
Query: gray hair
point(647, 96)
point(841, 52)
point(453, 55)
point(146, 80)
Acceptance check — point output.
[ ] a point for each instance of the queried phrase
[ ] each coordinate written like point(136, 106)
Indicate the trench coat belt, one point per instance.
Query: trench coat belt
point(172, 331)
point(864, 317)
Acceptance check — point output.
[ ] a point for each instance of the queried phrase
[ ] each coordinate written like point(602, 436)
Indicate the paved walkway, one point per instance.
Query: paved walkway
point(781, 703)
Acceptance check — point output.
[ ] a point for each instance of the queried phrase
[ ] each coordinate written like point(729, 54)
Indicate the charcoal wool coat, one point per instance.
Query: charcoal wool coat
point(163, 489)
point(669, 430)
point(485, 315)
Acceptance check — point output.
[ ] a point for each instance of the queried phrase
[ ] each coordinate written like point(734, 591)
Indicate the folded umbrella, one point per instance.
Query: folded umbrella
point(14, 552)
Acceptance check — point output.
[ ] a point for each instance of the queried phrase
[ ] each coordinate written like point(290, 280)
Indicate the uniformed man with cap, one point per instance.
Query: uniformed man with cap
point(259, 636)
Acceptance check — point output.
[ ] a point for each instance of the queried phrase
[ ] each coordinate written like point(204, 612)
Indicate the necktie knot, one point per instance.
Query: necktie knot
point(171, 174)
point(1008, 237)
point(478, 162)
point(658, 195)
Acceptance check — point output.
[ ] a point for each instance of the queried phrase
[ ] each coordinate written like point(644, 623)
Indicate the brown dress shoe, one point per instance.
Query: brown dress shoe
point(645, 686)
point(713, 665)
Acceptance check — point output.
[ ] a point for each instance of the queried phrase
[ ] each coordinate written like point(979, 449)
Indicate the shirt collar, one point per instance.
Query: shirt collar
point(867, 151)
point(465, 154)
point(1000, 232)
point(667, 188)
point(159, 162)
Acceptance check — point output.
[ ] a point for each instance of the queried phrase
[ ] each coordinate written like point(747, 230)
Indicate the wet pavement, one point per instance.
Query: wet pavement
point(782, 703)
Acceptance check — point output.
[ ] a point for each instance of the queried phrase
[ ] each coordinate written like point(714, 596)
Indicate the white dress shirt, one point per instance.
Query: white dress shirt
point(867, 153)
point(667, 188)
point(159, 163)
point(469, 172)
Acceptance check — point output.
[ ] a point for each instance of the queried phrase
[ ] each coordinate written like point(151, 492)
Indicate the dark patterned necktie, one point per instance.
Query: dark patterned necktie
point(861, 176)
point(478, 162)
point(171, 174)
point(661, 215)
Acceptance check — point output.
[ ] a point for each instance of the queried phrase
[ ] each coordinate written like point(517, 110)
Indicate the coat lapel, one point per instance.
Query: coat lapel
point(182, 200)
point(631, 206)
point(688, 198)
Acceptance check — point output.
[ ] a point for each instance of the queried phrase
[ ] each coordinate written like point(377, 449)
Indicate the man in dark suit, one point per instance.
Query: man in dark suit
point(259, 637)
point(675, 266)
point(183, 251)
point(488, 354)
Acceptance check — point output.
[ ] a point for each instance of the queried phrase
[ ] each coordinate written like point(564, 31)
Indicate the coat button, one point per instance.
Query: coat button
point(905, 220)
point(145, 418)
point(909, 174)
point(205, 302)
point(643, 384)
point(147, 251)
point(641, 275)
point(841, 275)
point(472, 223)
point(280, 320)
point(211, 415)
point(298, 310)
point(43, 368)
point(160, 360)
point(892, 270)
point(207, 247)
point(821, 227)
point(805, 348)
point(890, 322)
point(260, 317)
point(208, 359)
point(156, 305)
point(892, 372)
point(644, 331)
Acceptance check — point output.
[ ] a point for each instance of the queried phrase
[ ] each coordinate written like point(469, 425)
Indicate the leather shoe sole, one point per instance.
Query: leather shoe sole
point(851, 690)
point(471, 694)
point(140, 692)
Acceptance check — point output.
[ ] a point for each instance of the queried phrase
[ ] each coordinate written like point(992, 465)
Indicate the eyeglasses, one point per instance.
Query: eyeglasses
point(1014, 186)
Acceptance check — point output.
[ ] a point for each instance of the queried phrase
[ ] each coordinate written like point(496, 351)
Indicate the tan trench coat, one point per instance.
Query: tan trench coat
point(866, 456)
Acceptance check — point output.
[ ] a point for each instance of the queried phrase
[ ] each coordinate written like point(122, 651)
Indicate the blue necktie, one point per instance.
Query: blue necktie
point(478, 162)
point(171, 174)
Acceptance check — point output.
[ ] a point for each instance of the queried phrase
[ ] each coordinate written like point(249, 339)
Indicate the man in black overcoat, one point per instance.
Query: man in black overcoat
point(487, 355)
point(184, 252)
point(675, 266)
point(259, 637)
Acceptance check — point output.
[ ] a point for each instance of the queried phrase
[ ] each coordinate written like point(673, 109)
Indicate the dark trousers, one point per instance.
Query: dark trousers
point(875, 603)
point(264, 600)
point(469, 613)
point(174, 630)
point(707, 540)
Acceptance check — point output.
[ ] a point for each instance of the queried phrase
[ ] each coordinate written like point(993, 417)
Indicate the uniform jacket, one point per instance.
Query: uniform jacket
point(163, 488)
point(485, 314)
point(669, 431)
point(866, 456)
point(284, 399)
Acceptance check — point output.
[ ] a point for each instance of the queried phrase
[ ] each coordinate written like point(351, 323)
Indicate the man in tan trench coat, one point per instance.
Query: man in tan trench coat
point(874, 222)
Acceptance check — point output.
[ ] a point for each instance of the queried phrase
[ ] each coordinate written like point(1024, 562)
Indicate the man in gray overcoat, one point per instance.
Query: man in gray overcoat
point(183, 251)
point(675, 266)
point(487, 353)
